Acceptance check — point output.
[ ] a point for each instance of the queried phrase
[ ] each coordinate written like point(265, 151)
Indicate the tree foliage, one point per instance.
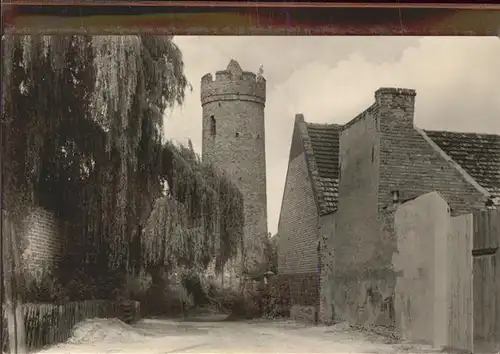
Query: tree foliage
point(82, 125)
point(199, 219)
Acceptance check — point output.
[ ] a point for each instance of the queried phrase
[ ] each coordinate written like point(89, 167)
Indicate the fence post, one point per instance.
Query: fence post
point(18, 280)
point(12, 279)
point(60, 324)
point(2, 237)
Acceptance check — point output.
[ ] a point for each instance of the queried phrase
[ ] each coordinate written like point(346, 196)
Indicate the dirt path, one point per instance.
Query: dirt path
point(214, 336)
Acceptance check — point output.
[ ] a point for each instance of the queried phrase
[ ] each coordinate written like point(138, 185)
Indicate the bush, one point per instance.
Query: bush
point(137, 286)
point(43, 287)
point(82, 287)
point(278, 298)
point(192, 284)
point(166, 295)
point(219, 298)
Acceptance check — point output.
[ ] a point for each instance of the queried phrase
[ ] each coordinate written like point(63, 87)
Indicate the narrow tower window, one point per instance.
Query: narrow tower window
point(395, 197)
point(237, 134)
point(212, 126)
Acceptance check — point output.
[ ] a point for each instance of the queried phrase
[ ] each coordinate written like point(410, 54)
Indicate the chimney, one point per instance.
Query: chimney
point(397, 105)
point(390, 97)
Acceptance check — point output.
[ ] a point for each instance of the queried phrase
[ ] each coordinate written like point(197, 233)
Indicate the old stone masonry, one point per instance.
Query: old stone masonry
point(234, 140)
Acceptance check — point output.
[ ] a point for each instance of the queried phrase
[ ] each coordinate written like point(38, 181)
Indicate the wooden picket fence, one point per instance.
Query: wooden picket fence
point(48, 324)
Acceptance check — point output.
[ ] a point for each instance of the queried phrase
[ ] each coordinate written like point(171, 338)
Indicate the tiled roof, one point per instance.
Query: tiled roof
point(477, 154)
point(324, 143)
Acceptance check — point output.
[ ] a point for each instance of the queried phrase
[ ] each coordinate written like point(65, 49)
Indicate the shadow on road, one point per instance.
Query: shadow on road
point(189, 325)
point(206, 318)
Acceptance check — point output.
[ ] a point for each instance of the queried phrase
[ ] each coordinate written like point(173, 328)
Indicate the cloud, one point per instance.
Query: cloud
point(332, 79)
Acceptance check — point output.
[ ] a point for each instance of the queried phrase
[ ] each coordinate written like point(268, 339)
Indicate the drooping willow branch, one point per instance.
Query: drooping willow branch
point(199, 220)
point(83, 117)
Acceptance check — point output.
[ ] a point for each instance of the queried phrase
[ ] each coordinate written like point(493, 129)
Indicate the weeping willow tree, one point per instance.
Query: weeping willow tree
point(199, 219)
point(82, 125)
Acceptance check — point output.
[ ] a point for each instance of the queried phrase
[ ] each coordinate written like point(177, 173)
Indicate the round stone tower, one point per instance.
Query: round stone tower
point(234, 140)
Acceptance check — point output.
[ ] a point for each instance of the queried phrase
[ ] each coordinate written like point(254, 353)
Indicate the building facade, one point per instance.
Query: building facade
point(306, 222)
point(382, 159)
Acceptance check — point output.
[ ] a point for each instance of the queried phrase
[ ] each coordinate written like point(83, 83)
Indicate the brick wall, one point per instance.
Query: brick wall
point(298, 224)
point(45, 242)
point(298, 238)
point(413, 167)
point(409, 164)
point(299, 289)
point(382, 152)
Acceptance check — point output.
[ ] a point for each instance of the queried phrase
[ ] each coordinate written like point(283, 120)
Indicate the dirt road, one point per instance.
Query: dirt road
point(212, 336)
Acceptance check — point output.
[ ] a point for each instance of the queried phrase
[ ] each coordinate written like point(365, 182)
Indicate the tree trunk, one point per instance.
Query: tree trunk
point(12, 279)
point(156, 293)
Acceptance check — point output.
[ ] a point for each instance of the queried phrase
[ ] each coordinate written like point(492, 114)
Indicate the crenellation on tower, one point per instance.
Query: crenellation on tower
point(234, 140)
point(206, 79)
point(234, 84)
point(225, 75)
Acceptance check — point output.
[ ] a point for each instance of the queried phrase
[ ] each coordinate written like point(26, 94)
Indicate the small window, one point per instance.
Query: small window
point(237, 134)
point(213, 126)
point(258, 136)
point(219, 104)
point(395, 196)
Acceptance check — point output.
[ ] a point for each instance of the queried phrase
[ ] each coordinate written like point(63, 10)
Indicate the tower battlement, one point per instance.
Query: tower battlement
point(233, 84)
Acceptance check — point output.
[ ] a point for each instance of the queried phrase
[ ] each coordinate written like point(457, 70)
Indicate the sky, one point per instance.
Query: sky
point(332, 79)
